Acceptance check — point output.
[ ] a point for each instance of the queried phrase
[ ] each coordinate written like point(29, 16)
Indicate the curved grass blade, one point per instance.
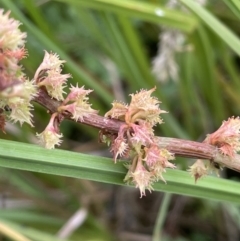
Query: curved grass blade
point(141, 10)
point(215, 25)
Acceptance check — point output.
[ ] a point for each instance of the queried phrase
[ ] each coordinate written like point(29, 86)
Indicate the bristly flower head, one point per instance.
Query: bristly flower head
point(11, 38)
point(198, 170)
point(227, 137)
point(12, 50)
point(50, 137)
point(77, 103)
point(141, 178)
point(142, 107)
point(135, 139)
point(49, 75)
point(118, 111)
point(157, 159)
point(142, 133)
point(16, 91)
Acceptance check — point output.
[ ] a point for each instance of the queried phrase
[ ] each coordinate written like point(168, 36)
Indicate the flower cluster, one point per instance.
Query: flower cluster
point(49, 75)
point(135, 140)
point(198, 169)
point(50, 137)
point(16, 91)
point(77, 103)
point(227, 139)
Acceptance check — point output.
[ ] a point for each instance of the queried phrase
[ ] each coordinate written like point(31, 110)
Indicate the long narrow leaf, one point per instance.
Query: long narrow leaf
point(234, 5)
point(76, 165)
point(143, 11)
point(215, 25)
point(33, 234)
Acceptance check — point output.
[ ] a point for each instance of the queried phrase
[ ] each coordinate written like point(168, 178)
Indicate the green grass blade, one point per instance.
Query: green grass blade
point(234, 5)
point(23, 183)
point(127, 57)
point(122, 56)
point(186, 93)
point(95, 28)
point(206, 71)
point(141, 10)
point(11, 233)
point(136, 49)
point(162, 214)
point(95, 168)
point(31, 217)
point(31, 233)
point(215, 25)
point(38, 18)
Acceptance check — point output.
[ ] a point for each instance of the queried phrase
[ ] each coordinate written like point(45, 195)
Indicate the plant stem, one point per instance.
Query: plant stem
point(161, 217)
point(179, 147)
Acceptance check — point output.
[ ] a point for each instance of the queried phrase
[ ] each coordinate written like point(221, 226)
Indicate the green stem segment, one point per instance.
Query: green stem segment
point(161, 217)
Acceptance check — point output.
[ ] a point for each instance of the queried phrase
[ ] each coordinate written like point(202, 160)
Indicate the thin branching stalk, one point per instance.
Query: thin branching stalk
point(180, 147)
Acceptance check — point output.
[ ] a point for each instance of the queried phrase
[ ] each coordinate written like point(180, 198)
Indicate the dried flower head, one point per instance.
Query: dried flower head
point(120, 148)
point(18, 98)
point(141, 178)
point(76, 94)
point(136, 139)
point(77, 103)
point(11, 38)
point(198, 170)
point(142, 133)
point(157, 159)
point(49, 75)
point(226, 137)
point(142, 107)
point(50, 137)
point(16, 91)
point(118, 111)
point(50, 61)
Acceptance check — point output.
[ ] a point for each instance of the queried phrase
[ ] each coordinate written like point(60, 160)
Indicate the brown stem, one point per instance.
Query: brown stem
point(179, 147)
point(93, 120)
point(186, 148)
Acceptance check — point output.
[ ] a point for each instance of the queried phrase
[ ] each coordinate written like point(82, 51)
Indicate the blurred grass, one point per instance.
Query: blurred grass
point(88, 34)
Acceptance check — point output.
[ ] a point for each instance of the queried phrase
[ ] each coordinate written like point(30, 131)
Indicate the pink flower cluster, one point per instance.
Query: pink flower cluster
point(49, 75)
point(135, 140)
point(226, 139)
point(16, 91)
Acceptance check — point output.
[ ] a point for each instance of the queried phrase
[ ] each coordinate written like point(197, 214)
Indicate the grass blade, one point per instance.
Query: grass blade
point(215, 25)
point(76, 165)
point(143, 11)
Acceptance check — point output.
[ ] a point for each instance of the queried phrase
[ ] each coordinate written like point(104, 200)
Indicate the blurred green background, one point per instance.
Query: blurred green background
point(189, 50)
